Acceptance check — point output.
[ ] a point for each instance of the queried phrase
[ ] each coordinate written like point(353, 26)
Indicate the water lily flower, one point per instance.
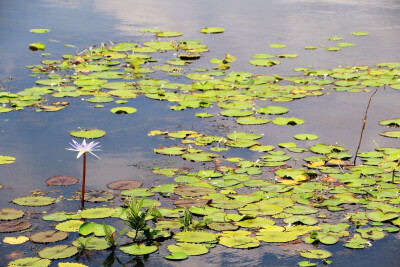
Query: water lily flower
point(84, 147)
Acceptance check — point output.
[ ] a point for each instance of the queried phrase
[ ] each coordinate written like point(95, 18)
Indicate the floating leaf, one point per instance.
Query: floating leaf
point(212, 30)
point(277, 45)
point(360, 33)
point(393, 134)
point(316, 254)
point(124, 184)
point(264, 62)
point(10, 214)
point(91, 243)
point(69, 226)
point(195, 237)
point(98, 196)
point(306, 137)
point(123, 110)
point(168, 34)
point(15, 240)
point(273, 110)
point(93, 228)
point(89, 134)
point(176, 256)
point(98, 213)
point(39, 30)
point(36, 46)
point(50, 236)
point(138, 249)
point(34, 201)
point(62, 180)
point(30, 261)
point(288, 121)
point(58, 252)
point(239, 242)
point(61, 216)
point(276, 237)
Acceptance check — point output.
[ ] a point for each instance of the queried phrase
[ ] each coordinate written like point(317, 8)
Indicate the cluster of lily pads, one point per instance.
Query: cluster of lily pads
point(232, 201)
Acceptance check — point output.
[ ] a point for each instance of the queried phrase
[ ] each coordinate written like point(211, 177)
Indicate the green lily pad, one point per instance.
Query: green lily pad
point(315, 254)
point(288, 121)
point(390, 122)
point(123, 110)
point(251, 120)
point(276, 236)
point(36, 46)
point(357, 242)
point(200, 156)
point(10, 214)
point(380, 216)
point(39, 30)
point(91, 243)
point(97, 213)
point(236, 113)
point(242, 242)
point(345, 44)
point(212, 30)
point(177, 256)
point(300, 210)
point(168, 34)
point(188, 248)
point(264, 62)
point(58, 252)
point(89, 134)
point(34, 201)
point(273, 110)
point(61, 216)
point(360, 33)
point(302, 219)
point(69, 226)
point(256, 222)
point(306, 136)
point(195, 237)
point(277, 45)
point(138, 249)
point(261, 209)
point(93, 228)
point(393, 134)
point(29, 261)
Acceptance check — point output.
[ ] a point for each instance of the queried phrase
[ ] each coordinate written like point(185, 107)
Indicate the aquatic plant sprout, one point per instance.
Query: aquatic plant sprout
point(84, 147)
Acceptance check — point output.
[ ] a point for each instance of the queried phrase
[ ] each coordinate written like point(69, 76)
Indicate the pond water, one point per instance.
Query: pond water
point(38, 139)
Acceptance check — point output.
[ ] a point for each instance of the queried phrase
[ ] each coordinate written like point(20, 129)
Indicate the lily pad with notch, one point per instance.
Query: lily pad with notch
point(11, 214)
point(50, 236)
point(98, 196)
point(34, 201)
point(124, 184)
point(14, 226)
point(62, 180)
point(138, 249)
point(58, 252)
point(88, 134)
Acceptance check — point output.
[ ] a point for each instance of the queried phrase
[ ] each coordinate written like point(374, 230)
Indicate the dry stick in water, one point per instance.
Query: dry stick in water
point(364, 123)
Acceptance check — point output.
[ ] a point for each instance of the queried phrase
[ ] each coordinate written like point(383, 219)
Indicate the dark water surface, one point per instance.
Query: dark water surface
point(38, 140)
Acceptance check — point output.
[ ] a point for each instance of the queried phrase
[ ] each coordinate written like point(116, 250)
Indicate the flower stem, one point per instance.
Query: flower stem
point(83, 182)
